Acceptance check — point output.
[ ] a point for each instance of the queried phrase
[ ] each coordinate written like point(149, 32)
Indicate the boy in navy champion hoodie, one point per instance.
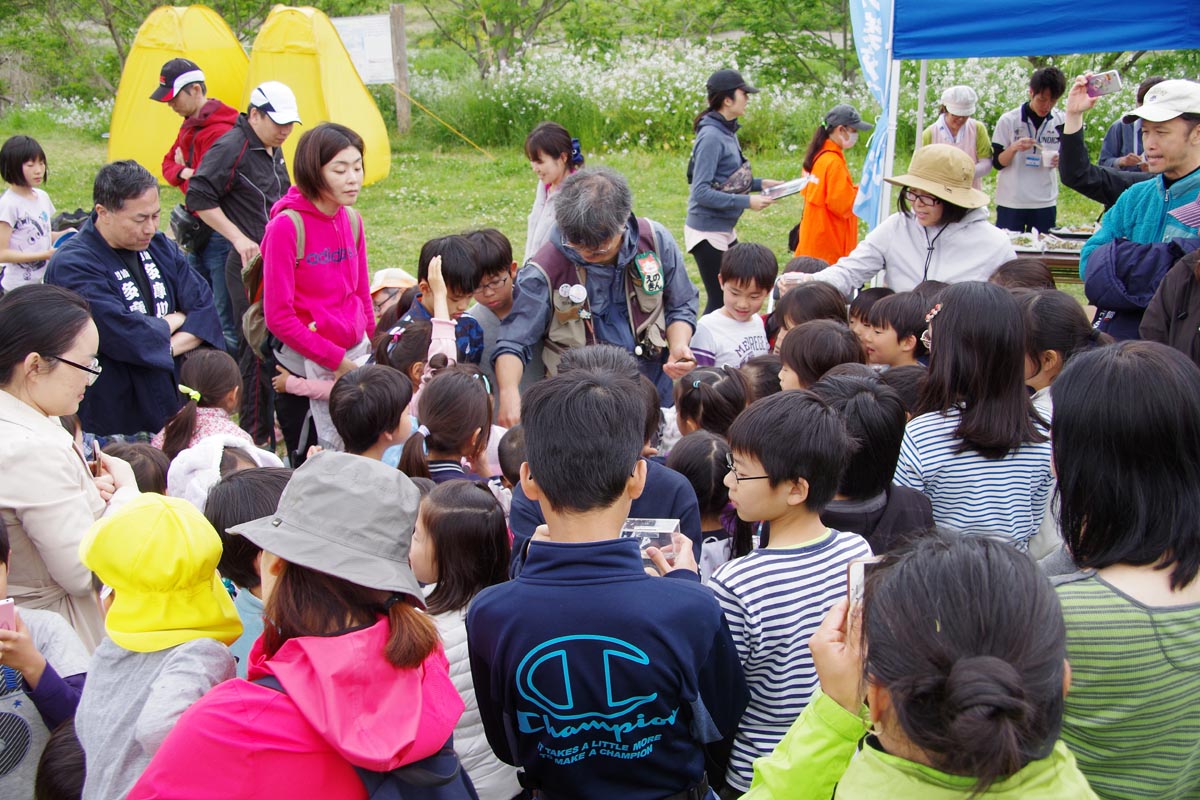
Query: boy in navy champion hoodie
point(597, 679)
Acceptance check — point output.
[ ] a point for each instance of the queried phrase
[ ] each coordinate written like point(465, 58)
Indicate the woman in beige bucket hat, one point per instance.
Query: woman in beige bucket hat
point(940, 230)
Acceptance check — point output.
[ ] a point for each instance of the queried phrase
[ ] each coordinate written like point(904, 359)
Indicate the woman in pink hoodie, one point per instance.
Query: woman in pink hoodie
point(348, 672)
point(318, 302)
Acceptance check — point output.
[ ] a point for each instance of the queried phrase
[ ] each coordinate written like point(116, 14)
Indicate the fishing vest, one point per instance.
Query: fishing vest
point(570, 320)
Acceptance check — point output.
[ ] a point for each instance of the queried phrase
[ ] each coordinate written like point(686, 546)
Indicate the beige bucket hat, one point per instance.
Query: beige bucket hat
point(945, 172)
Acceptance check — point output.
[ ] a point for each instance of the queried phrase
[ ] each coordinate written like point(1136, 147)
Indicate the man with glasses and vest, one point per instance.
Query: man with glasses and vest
point(149, 306)
point(604, 276)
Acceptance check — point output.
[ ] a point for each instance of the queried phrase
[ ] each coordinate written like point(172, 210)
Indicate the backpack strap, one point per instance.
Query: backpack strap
point(298, 224)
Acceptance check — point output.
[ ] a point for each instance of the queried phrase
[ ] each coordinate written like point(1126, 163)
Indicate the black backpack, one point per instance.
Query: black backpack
point(438, 777)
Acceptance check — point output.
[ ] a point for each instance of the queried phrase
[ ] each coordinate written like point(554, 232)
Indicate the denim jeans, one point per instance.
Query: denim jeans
point(210, 263)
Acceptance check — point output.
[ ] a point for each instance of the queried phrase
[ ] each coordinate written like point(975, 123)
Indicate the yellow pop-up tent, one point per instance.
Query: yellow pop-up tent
point(301, 48)
point(144, 129)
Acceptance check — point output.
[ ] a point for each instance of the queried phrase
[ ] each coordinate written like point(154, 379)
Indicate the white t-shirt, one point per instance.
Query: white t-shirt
point(30, 223)
point(1025, 183)
point(719, 340)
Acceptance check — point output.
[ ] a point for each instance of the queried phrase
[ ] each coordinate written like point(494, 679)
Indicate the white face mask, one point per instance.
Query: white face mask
point(850, 140)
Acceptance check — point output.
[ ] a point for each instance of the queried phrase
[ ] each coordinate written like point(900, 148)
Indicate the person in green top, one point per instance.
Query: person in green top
point(1126, 436)
point(959, 651)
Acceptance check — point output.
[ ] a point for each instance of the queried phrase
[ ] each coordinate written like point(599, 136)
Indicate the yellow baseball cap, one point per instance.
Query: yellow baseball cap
point(159, 554)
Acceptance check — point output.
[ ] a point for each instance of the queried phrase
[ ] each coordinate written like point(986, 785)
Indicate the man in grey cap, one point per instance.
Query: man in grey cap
point(240, 178)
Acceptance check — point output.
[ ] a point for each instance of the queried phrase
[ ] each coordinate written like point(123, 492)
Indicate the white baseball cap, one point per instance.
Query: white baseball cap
point(277, 101)
point(1168, 100)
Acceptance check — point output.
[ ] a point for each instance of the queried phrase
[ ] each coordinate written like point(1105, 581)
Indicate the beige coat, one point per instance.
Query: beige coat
point(47, 501)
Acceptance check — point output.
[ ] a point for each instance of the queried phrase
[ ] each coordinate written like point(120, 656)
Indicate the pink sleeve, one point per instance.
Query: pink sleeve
point(443, 342)
point(305, 387)
point(279, 296)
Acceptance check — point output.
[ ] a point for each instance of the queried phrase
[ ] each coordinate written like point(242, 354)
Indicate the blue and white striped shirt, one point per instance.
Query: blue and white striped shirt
point(774, 599)
point(1002, 497)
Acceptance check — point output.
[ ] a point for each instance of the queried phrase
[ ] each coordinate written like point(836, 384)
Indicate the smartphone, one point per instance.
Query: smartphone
point(652, 533)
point(1103, 83)
point(95, 464)
point(856, 575)
point(8, 615)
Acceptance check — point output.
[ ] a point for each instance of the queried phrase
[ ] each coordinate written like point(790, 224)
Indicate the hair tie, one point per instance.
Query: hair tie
point(696, 383)
point(189, 392)
point(486, 383)
point(421, 429)
point(576, 152)
point(391, 601)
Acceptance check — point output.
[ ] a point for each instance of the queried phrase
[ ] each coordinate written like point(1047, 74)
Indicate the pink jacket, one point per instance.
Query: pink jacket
point(322, 306)
point(345, 706)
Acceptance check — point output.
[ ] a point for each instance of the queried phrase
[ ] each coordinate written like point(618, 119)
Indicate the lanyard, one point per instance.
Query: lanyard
point(929, 250)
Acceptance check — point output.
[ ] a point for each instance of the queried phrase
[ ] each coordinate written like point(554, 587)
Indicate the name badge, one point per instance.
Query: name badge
point(1033, 159)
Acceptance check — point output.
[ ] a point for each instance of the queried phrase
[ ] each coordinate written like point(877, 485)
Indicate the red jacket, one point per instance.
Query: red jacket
point(345, 706)
point(196, 135)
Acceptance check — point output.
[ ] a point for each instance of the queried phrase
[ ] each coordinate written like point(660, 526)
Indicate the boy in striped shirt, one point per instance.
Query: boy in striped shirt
point(789, 451)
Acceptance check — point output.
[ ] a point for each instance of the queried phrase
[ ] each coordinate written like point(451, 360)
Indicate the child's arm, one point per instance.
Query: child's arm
point(193, 669)
point(11, 256)
point(287, 383)
point(54, 697)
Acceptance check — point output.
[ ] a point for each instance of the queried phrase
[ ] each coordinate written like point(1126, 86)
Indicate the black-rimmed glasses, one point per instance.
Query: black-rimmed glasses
point(93, 369)
point(740, 478)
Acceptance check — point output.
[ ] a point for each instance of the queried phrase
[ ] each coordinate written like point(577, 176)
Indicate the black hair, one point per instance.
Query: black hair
point(701, 457)
point(750, 263)
point(930, 289)
point(904, 313)
point(812, 349)
point(716, 101)
point(977, 362)
point(237, 498)
point(951, 212)
point(604, 357)
point(1146, 85)
point(71, 424)
point(977, 684)
point(1023, 273)
point(762, 373)
point(1049, 79)
point(583, 437)
point(466, 528)
point(459, 268)
point(235, 459)
point(38, 318)
point(795, 435)
point(149, 464)
point(455, 407)
point(653, 416)
point(5, 546)
point(120, 181)
point(1126, 435)
point(711, 398)
point(874, 417)
point(815, 143)
point(908, 381)
point(809, 265)
point(852, 369)
point(806, 302)
point(424, 485)
point(15, 153)
point(493, 251)
point(552, 139)
point(860, 306)
point(211, 373)
point(1055, 321)
point(316, 148)
point(510, 452)
point(404, 344)
point(61, 767)
point(368, 402)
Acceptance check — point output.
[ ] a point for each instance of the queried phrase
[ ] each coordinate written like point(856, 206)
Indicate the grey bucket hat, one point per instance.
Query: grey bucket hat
point(347, 516)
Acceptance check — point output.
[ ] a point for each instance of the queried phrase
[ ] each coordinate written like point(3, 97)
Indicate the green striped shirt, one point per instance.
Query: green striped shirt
point(1131, 715)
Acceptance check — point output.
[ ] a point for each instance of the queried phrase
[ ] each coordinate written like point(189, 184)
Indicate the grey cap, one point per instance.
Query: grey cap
point(348, 516)
point(847, 115)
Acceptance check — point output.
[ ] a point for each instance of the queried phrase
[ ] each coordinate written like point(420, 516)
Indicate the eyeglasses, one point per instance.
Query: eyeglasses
point(492, 286)
point(92, 369)
point(926, 335)
point(382, 302)
point(922, 200)
point(593, 253)
point(740, 478)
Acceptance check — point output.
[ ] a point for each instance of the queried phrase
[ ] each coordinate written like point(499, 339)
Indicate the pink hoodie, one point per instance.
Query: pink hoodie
point(322, 306)
point(345, 706)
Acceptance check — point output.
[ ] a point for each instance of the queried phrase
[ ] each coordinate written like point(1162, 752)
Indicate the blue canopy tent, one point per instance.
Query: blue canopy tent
point(888, 32)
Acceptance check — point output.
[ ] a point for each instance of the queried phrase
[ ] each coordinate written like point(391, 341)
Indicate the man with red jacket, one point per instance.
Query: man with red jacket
point(181, 86)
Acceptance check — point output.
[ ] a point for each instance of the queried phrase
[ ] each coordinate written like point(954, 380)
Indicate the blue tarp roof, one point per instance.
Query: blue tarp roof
point(932, 29)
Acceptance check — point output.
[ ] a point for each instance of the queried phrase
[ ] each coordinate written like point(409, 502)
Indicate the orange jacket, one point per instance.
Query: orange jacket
point(829, 229)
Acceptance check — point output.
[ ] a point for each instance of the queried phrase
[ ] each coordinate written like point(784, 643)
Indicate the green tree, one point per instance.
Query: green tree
point(798, 41)
point(492, 32)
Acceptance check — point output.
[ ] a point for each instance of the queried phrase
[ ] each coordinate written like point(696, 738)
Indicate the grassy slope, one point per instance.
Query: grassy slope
point(431, 192)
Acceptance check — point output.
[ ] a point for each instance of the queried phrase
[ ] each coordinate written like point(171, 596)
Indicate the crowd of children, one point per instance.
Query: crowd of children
point(611, 597)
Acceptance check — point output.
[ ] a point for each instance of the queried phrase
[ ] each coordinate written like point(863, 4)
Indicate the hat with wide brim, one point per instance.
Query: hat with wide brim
point(348, 516)
point(159, 554)
point(945, 172)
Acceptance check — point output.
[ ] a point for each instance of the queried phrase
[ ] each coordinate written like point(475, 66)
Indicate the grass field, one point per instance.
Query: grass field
point(432, 191)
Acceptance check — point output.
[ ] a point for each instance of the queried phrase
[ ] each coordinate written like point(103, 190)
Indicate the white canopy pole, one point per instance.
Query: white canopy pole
point(889, 161)
point(921, 88)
